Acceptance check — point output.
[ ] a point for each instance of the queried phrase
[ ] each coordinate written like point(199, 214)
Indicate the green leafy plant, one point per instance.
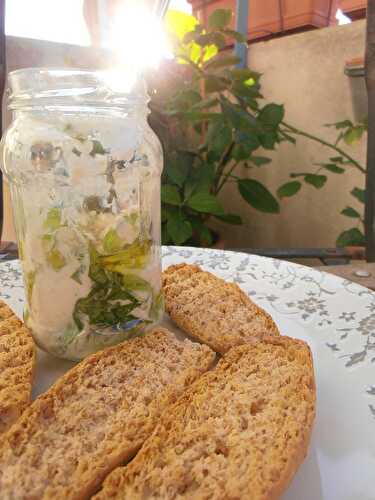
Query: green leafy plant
point(208, 115)
point(348, 133)
point(211, 118)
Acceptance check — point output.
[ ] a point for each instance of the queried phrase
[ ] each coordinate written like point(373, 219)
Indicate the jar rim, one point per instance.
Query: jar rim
point(76, 86)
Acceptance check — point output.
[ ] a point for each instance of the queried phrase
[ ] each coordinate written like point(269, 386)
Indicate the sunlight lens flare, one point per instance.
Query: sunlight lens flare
point(137, 36)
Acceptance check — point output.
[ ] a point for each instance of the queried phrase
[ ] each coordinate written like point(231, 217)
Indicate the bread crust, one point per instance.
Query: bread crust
point(218, 442)
point(17, 361)
point(212, 310)
point(300, 452)
point(96, 417)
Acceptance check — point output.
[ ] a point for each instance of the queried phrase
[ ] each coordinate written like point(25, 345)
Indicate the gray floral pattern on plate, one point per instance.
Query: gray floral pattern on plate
point(339, 311)
point(308, 296)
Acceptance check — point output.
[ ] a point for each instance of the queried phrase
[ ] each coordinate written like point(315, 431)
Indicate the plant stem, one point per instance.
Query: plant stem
point(191, 63)
point(293, 130)
point(222, 164)
point(226, 177)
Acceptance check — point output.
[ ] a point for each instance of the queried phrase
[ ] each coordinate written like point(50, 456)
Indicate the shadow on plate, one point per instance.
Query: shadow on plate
point(307, 482)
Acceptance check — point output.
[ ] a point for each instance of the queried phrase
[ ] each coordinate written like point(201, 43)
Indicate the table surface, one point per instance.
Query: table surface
point(359, 272)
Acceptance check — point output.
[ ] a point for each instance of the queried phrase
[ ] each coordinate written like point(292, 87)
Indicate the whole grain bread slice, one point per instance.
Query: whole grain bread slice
point(239, 432)
point(17, 358)
point(212, 310)
point(96, 417)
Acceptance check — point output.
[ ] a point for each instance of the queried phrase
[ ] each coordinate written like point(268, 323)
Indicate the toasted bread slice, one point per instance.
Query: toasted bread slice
point(211, 310)
point(239, 432)
point(96, 417)
point(17, 358)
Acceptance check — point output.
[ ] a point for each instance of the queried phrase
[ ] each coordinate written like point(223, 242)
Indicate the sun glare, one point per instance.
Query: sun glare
point(137, 36)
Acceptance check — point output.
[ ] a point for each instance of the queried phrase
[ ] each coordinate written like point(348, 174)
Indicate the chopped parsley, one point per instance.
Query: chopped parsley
point(53, 219)
point(29, 284)
point(97, 149)
point(56, 259)
point(77, 152)
point(112, 242)
point(109, 303)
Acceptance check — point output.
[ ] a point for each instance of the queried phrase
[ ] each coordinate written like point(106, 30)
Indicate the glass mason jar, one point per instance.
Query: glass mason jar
point(84, 170)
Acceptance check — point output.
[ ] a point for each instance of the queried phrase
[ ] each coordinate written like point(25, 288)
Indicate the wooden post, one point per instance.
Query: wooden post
point(2, 86)
point(370, 173)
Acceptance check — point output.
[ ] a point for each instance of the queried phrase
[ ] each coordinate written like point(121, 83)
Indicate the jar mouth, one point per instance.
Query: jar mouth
point(63, 86)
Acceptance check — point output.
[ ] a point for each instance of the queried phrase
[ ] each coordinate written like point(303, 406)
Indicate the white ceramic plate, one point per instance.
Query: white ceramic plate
point(337, 319)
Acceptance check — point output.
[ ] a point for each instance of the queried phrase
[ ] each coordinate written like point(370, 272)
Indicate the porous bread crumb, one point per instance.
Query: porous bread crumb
point(212, 310)
point(239, 432)
point(96, 417)
point(17, 359)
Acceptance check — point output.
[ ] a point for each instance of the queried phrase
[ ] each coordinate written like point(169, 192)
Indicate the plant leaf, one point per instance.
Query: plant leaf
point(200, 115)
point(205, 203)
point(359, 194)
point(206, 103)
point(316, 180)
point(219, 136)
point(200, 180)
point(248, 90)
point(260, 160)
point(353, 135)
point(186, 99)
point(219, 19)
point(289, 189)
point(339, 125)
point(230, 219)
point(209, 52)
point(164, 214)
point(179, 23)
point(170, 195)
point(238, 117)
point(272, 114)
point(351, 212)
point(243, 74)
point(258, 196)
point(240, 152)
point(177, 168)
point(179, 229)
point(333, 168)
point(246, 143)
point(351, 237)
point(165, 238)
point(210, 40)
point(268, 140)
point(337, 159)
point(214, 83)
point(203, 232)
point(221, 61)
point(239, 37)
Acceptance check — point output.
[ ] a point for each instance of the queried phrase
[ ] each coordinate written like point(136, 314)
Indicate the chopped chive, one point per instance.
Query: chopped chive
point(76, 151)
